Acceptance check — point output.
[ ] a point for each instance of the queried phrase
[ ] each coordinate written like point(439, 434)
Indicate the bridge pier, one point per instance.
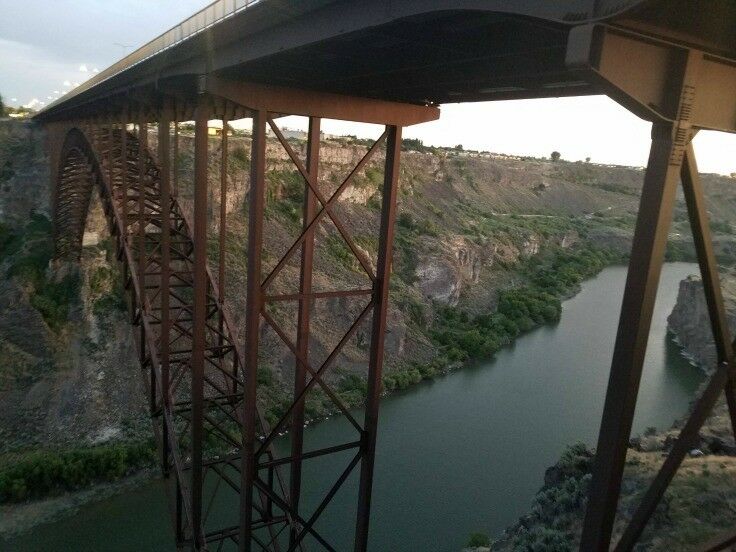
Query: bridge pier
point(303, 323)
point(253, 461)
point(681, 90)
point(216, 445)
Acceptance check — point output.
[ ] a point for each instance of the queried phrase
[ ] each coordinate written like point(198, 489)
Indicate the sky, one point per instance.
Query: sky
point(47, 47)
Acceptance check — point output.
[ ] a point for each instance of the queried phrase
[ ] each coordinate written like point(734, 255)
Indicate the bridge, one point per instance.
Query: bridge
point(377, 61)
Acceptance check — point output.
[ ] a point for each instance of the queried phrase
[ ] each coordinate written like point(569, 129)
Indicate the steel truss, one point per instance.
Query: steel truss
point(203, 383)
point(216, 446)
point(688, 83)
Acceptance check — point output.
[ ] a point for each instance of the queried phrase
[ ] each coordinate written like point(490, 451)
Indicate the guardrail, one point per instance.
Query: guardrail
point(207, 17)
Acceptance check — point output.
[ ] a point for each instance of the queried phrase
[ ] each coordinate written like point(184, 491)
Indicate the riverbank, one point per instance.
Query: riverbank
point(469, 448)
point(465, 283)
point(460, 338)
point(698, 502)
point(16, 519)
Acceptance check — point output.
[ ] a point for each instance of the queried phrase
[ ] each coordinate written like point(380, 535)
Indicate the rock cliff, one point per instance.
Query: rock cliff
point(470, 226)
point(689, 322)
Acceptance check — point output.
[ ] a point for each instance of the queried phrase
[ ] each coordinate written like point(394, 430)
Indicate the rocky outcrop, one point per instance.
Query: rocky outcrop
point(79, 381)
point(24, 174)
point(456, 263)
point(689, 321)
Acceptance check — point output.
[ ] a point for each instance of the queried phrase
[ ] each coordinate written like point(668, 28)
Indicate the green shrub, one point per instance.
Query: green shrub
point(478, 539)
point(550, 277)
point(42, 473)
point(108, 293)
point(52, 299)
point(238, 159)
point(339, 250)
point(31, 251)
point(285, 195)
point(543, 539)
point(9, 241)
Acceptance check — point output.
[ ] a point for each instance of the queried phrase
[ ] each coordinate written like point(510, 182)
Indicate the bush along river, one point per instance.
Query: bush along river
point(463, 453)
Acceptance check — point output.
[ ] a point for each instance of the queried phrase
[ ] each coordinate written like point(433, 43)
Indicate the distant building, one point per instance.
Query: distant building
point(289, 134)
point(217, 131)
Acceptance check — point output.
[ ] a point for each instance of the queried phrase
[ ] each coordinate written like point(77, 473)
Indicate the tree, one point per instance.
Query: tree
point(2, 106)
point(477, 540)
point(459, 147)
point(587, 159)
point(555, 156)
point(412, 144)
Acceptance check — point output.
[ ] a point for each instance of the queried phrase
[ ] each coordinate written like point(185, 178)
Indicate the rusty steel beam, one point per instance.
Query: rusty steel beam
point(669, 144)
point(700, 225)
point(303, 322)
point(111, 152)
point(378, 333)
point(647, 255)
point(640, 71)
point(722, 377)
point(278, 99)
point(141, 224)
point(164, 159)
point(175, 161)
point(177, 339)
point(223, 214)
point(198, 325)
point(254, 302)
point(124, 170)
point(83, 166)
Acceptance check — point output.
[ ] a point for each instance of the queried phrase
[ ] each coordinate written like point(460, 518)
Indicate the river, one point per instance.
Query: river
point(464, 453)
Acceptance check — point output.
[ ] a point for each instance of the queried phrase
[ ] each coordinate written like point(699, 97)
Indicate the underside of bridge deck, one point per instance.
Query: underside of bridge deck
point(203, 381)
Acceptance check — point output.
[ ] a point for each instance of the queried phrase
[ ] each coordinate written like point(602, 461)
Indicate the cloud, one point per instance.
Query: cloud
point(39, 71)
point(83, 68)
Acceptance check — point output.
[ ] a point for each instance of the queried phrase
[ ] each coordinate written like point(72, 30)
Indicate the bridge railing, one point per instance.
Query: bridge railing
point(206, 17)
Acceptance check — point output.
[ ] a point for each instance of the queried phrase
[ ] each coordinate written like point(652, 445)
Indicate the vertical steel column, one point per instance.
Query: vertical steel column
point(305, 302)
point(142, 177)
point(124, 170)
point(175, 155)
point(698, 215)
point(254, 303)
point(669, 141)
point(223, 229)
point(111, 156)
point(199, 317)
point(378, 331)
point(127, 270)
point(647, 255)
point(165, 198)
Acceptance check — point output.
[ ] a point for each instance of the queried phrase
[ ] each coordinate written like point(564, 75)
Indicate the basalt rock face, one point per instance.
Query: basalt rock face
point(466, 222)
point(690, 324)
point(689, 321)
point(456, 264)
point(77, 382)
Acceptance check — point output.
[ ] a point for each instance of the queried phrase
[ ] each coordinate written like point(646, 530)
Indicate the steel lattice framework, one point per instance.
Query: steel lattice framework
point(673, 64)
point(214, 441)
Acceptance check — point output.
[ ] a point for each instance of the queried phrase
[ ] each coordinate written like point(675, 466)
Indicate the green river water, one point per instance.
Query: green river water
point(464, 453)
